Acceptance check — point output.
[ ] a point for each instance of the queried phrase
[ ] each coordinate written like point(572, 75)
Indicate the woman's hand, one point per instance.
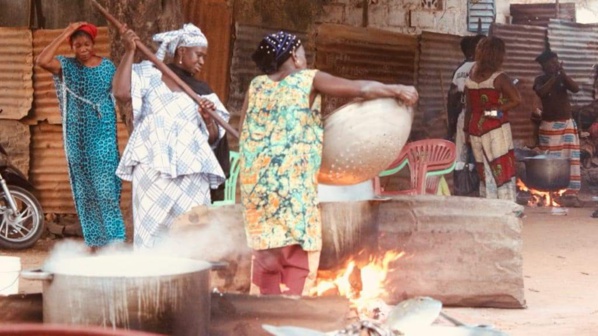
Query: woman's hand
point(71, 28)
point(205, 107)
point(407, 94)
point(129, 37)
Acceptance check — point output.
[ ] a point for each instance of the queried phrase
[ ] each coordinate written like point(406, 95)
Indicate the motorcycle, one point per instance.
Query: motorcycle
point(21, 214)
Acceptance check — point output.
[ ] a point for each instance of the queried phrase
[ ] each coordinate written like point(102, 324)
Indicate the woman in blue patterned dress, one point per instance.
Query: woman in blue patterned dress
point(169, 158)
point(83, 86)
point(281, 151)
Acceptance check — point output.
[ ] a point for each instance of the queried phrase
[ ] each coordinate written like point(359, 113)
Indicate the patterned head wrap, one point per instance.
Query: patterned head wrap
point(188, 36)
point(274, 50)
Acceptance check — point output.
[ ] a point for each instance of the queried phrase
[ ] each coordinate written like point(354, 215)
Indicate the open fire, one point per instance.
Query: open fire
point(538, 197)
point(363, 285)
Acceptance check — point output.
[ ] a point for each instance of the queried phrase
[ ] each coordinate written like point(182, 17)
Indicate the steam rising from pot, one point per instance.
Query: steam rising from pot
point(201, 234)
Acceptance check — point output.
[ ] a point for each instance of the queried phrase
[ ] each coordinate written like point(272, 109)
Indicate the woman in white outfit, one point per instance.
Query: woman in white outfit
point(168, 157)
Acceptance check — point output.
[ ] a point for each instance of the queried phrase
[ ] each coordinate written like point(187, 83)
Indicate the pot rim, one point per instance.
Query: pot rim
point(127, 266)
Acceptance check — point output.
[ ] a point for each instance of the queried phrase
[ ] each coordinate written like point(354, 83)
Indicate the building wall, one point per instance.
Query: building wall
point(405, 16)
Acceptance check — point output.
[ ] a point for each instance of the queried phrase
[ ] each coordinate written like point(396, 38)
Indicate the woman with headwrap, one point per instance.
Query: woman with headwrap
point(281, 150)
point(83, 85)
point(169, 157)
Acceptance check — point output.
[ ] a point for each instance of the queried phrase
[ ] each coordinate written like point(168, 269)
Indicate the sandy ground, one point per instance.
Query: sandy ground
point(560, 270)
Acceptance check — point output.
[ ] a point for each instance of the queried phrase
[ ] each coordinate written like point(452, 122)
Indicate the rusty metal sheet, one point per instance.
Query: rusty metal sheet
point(45, 103)
point(540, 14)
point(365, 53)
point(16, 63)
point(440, 55)
point(214, 18)
point(15, 138)
point(49, 172)
point(523, 44)
point(243, 69)
point(577, 47)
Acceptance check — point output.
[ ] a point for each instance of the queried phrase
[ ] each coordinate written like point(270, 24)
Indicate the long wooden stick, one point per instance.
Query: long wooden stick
point(165, 70)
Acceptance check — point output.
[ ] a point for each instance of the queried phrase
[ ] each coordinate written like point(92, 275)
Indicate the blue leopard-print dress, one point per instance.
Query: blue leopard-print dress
point(90, 143)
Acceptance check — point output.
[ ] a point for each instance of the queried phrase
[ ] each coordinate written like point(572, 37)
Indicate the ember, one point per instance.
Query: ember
point(540, 198)
point(363, 286)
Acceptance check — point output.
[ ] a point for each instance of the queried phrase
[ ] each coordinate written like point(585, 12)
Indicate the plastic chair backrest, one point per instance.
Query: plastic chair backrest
point(429, 155)
point(428, 160)
point(230, 187)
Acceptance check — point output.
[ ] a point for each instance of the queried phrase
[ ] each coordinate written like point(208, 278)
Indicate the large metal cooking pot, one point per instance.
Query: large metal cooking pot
point(361, 139)
point(164, 295)
point(547, 173)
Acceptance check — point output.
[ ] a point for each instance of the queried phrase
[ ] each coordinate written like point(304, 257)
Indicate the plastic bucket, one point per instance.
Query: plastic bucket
point(10, 269)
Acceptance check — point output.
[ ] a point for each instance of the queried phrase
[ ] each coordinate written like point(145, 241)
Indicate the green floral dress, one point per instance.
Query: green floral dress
point(281, 152)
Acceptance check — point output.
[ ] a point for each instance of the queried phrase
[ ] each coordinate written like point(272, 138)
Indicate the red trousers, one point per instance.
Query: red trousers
point(288, 266)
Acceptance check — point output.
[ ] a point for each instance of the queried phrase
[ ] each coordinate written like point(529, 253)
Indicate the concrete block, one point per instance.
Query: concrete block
point(463, 251)
point(422, 19)
point(333, 13)
point(378, 15)
point(397, 16)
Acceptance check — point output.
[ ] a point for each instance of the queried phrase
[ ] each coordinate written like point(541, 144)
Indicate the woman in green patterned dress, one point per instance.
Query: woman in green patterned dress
point(281, 150)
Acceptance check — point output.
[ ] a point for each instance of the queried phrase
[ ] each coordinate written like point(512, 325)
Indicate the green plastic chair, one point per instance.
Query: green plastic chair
point(230, 186)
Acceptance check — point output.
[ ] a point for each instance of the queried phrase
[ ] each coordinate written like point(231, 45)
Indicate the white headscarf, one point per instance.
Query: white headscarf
point(189, 36)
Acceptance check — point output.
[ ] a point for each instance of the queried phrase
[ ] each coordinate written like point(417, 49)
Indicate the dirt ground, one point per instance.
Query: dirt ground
point(560, 270)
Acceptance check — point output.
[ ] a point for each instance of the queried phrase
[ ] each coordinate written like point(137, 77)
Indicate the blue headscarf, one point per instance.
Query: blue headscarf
point(274, 50)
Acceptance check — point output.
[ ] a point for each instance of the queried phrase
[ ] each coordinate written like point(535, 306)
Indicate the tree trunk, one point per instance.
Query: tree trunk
point(146, 18)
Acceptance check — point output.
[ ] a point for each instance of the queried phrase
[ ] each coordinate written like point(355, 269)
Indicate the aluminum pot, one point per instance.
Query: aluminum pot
point(547, 173)
point(361, 139)
point(164, 295)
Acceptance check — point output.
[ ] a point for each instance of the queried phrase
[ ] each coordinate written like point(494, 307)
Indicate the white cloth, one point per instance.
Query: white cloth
point(169, 135)
point(157, 202)
point(168, 157)
point(459, 77)
point(188, 36)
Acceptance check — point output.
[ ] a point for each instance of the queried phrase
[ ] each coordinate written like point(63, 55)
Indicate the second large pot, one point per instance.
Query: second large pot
point(157, 294)
point(546, 173)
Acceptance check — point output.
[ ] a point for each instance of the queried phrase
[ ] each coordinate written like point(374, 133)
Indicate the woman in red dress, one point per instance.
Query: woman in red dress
point(490, 96)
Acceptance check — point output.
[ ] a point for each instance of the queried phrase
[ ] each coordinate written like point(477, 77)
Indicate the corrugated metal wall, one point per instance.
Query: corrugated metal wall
point(16, 62)
point(523, 44)
point(577, 47)
point(45, 103)
point(214, 18)
point(540, 14)
point(48, 171)
point(439, 57)
point(365, 53)
point(243, 69)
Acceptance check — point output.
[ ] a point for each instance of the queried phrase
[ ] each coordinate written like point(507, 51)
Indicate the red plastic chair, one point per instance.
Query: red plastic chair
point(428, 160)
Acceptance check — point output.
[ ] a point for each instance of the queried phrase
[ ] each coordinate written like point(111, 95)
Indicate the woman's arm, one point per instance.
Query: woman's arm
point(121, 83)
point(504, 84)
point(46, 59)
point(570, 84)
point(467, 116)
point(341, 87)
point(243, 111)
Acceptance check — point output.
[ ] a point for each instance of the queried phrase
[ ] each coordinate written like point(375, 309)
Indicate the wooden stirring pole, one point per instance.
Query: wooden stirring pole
point(165, 70)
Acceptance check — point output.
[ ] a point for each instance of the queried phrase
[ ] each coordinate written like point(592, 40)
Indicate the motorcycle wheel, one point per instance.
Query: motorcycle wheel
point(24, 229)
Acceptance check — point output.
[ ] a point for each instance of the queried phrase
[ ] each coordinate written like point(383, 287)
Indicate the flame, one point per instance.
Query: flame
point(359, 285)
point(540, 198)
